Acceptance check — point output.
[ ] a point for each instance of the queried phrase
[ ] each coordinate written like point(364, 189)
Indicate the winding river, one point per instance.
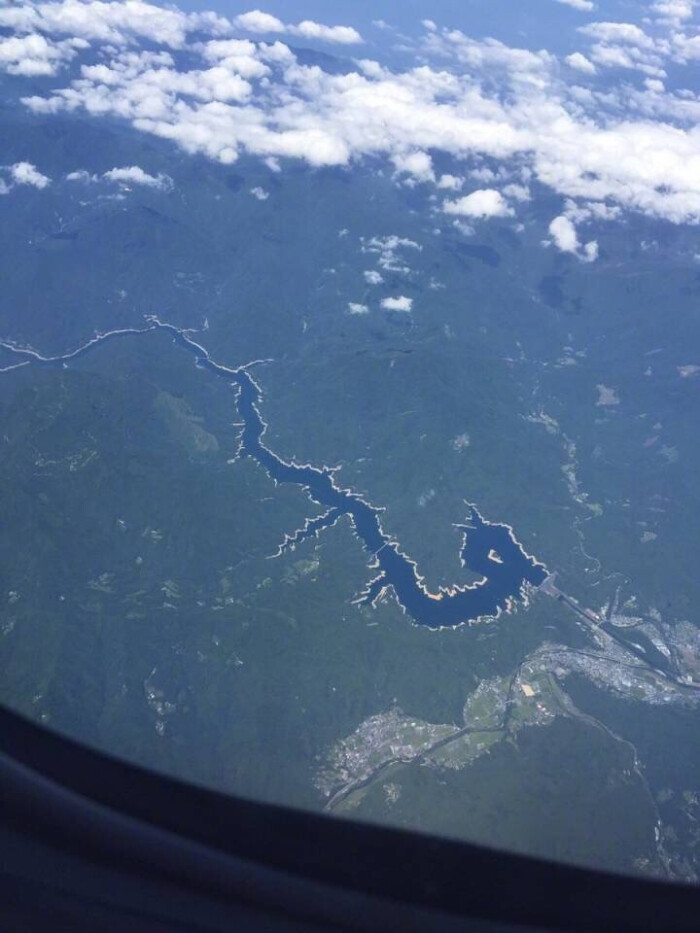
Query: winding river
point(488, 549)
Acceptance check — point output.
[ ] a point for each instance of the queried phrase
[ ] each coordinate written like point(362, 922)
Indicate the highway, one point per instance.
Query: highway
point(603, 629)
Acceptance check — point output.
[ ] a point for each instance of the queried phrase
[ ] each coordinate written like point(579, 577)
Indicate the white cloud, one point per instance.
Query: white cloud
point(618, 32)
point(686, 48)
point(146, 85)
point(619, 56)
point(400, 303)
point(585, 5)
point(565, 238)
point(241, 56)
point(116, 22)
point(24, 173)
point(33, 55)
point(590, 251)
point(355, 308)
point(418, 165)
point(450, 183)
point(482, 203)
point(484, 175)
point(256, 21)
point(626, 45)
point(372, 277)
point(590, 210)
point(654, 85)
point(276, 52)
point(580, 63)
point(260, 193)
point(497, 110)
point(489, 55)
point(517, 192)
point(387, 248)
point(126, 176)
point(344, 35)
point(82, 176)
point(564, 234)
point(134, 175)
point(122, 21)
point(429, 25)
point(673, 12)
point(333, 119)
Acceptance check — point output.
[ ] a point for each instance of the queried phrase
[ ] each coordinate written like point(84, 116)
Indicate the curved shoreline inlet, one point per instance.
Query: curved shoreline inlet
point(491, 550)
